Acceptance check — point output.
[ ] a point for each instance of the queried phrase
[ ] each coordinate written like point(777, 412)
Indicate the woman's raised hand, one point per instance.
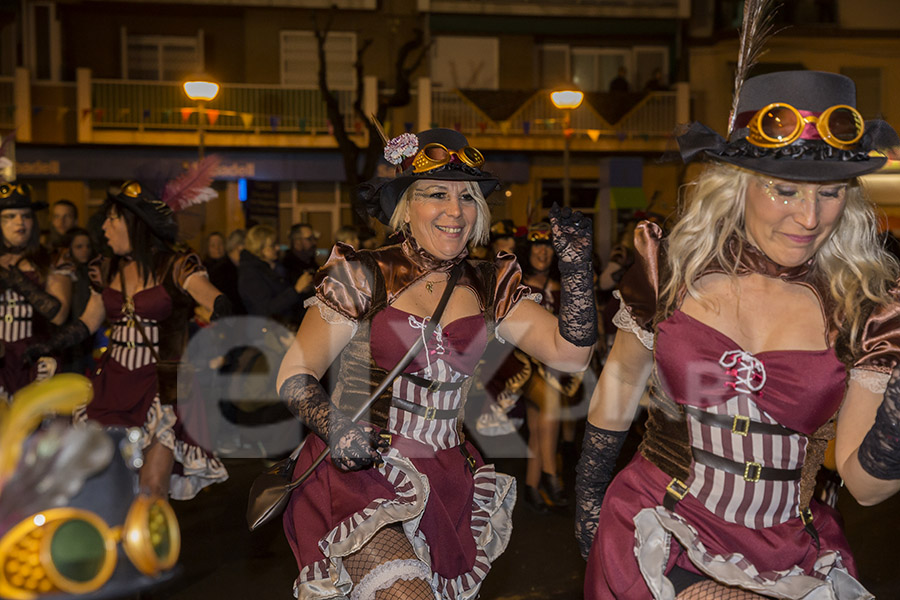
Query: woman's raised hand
point(573, 238)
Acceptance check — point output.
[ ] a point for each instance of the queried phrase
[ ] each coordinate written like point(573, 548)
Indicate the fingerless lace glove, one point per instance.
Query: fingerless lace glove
point(65, 337)
point(574, 244)
point(352, 447)
point(44, 303)
point(879, 453)
point(593, 473)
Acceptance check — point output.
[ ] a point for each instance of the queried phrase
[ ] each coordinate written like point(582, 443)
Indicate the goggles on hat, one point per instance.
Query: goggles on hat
point(7, 189)
point(540, 235)
point(436, 155)
point(780, 124)
point(72, 550)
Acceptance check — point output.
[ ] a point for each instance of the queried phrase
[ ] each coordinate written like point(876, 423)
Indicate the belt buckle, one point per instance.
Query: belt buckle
point(389, 437)
point(806, 516)
point(430, 413)
point(740, 425)
point(677, 488)
point(8, 318)
point(471, 460)
point(434, 385)
point(756, 471)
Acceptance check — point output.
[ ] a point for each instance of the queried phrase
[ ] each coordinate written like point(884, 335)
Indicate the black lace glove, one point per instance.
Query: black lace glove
point(46, 304)
point(221, 308)
point(352, 447)
point(879, 453)
point(573, 242)
point(65, 337)
point(593, 473)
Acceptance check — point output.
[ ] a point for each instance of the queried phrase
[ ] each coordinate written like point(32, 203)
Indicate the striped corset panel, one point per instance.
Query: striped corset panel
point(15, 317)
point(440, 434)
point(128, 346)
point(737, 498)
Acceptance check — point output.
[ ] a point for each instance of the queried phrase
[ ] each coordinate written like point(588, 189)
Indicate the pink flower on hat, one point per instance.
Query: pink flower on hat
point(403, 146)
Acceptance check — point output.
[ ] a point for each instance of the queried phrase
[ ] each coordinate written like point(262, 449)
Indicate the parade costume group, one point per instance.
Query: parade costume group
point(719, 500)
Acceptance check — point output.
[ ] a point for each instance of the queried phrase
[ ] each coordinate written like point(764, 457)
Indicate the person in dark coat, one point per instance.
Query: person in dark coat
point(300, 258)
point(262, 291)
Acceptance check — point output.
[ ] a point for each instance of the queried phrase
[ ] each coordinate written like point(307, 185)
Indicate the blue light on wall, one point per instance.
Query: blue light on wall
point(242, 189)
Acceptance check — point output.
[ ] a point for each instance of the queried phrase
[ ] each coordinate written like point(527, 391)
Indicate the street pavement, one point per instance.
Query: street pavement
point(221, 559)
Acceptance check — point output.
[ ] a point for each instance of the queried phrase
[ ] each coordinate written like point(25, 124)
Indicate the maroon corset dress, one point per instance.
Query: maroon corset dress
point(457, 521)
point(125, 389)
point(728, 527)
point(20, 327)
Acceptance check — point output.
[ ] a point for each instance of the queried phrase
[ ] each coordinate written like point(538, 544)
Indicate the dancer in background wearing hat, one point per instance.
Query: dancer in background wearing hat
point(147, 290)
point(416, 514)
point(35, 294)
point(770, 293)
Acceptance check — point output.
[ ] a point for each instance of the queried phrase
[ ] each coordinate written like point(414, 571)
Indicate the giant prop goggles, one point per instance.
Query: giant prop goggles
point(436, 155)
point(780, 124)
point(72, 550)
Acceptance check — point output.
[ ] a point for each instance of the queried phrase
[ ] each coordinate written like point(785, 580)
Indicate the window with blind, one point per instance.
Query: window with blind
point(300, 59)
point(162, 58)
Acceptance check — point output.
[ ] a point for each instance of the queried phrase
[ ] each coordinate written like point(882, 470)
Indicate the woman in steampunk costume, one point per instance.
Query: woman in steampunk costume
point(35, 293)
point(769, 306)
point(415, 513)
point(147, 291)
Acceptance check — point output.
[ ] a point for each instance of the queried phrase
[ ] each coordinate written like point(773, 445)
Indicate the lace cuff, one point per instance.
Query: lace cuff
point(874, 381)
point(625, 321)
point(329, 314)
point(534, 297)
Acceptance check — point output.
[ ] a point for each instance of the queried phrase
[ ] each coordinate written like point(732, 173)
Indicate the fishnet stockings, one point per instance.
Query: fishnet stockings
point(713, 590)
point(387, 545)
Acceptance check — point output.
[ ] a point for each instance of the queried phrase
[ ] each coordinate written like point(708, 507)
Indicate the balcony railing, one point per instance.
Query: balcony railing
point(143, 105)
point(652, 115)
point(7, 103)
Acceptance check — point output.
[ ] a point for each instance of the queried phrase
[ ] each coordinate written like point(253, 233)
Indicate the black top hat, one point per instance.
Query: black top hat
point(380, 195)
point(755, 141)
point(158, 215)
point(18, 195)
point(504, 228)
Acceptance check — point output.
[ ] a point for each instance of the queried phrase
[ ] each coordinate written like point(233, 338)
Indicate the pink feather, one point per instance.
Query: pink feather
point(193, 186)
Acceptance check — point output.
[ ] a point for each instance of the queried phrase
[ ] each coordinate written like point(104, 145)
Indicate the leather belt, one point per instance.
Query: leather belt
point(750, 471)
point(429, 413)
point(434, 386)
point(738, 424)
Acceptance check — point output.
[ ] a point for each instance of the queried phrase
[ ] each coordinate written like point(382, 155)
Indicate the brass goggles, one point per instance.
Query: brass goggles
point(72, 550)
point(436, 155)
point(780, 124)
point(541, 235)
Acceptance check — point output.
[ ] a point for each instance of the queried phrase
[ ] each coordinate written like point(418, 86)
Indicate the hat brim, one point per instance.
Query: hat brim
point(159, 225)
point(803, 170)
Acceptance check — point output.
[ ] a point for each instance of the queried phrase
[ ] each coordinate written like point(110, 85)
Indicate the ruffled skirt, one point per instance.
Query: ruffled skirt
point(124, 398)
point(457, 522)
point(638, 542)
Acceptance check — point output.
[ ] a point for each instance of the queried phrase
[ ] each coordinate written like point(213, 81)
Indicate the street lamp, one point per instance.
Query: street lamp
point(567, 101)
point(201, 92)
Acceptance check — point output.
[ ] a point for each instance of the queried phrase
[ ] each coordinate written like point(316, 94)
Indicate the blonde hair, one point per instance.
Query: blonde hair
point(256, 239)
point(852, 260)
point(480, 232)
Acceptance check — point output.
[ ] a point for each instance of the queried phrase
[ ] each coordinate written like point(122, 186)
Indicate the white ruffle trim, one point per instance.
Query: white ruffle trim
point(385, 575)
point(623, 320)
point(534, 297)
point(655, 528)
point(491, 525)
point(329, 314)
point(873, 381)
point(200, 469)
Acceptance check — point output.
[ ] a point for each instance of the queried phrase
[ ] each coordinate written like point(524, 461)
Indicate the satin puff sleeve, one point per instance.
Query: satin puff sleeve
point(880, 345)
point(343, 287)
point(638, 291)
point(187, 265)
point(508, 288)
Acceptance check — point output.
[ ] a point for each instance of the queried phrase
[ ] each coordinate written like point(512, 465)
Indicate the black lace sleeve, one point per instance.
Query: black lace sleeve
point(46, 304)
point(352, 447)
point(879, 453)
point(573, 243)
point(593, 473)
